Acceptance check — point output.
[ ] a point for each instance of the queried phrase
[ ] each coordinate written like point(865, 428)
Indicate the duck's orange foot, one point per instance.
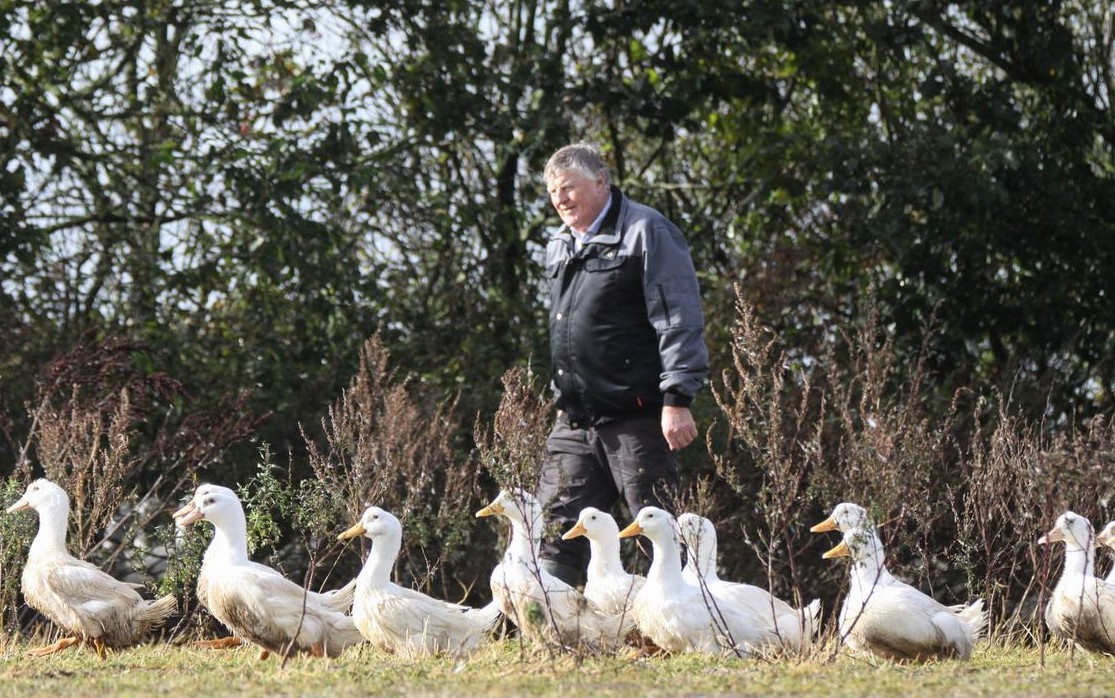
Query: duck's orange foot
point(220, 643)
point(63, 644)
point(643, 645)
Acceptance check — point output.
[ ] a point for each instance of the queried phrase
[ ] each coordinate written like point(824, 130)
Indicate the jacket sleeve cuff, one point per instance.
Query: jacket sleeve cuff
point(676, 399)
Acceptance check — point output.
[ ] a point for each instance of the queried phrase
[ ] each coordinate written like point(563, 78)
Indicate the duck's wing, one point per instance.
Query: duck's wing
point(82, 584)
point(753, 599)
point(615, 594)
point(1082, 610)
point(267, 608)
point(429, 620)
point(901, 622)
point(1105, 625)
point(83, 596)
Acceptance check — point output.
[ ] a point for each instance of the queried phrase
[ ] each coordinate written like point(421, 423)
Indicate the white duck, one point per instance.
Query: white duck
point(403, 620)
point(680, 616)
point(891, 619)
point(1106, 538)
point(845, 516)
point(1081, 608)
point(339, 600)
point(90, 605)
point(542, 606)
point(607, 585)
point(795, 626)
point(257, 604)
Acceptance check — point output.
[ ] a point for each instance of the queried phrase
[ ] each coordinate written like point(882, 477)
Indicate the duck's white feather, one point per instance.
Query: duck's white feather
point(76, 595)
point(253, 601)
point(608, 584)
point(680, 616)
point(889, 618)
point(402, 620)
point(542, 606)
point(339, 600)
point(1081, 608)
point(795, 627)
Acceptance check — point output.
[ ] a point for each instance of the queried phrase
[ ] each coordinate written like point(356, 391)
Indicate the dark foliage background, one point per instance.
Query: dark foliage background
point(901, 214)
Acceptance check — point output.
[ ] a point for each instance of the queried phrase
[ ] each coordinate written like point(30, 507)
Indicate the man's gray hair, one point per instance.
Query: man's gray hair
point(578, 157)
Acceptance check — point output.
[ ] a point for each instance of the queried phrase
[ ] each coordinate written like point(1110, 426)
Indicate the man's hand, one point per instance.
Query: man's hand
point(678, 427)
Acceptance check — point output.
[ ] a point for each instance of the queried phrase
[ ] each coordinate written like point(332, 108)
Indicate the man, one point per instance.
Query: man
point(627, 347)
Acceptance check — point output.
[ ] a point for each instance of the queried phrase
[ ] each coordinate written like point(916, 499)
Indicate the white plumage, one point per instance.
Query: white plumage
point(1081, 608)
point(339, 600)
point(889, 618)
point(252, 600)
point(795, 627)
point(542, 606)
point(401, 620)
point(89, 604)
point(680, 616)
point(607, 584)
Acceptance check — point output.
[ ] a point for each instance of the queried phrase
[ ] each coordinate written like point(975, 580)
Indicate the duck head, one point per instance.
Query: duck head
point(374, 523)
point(845, 516)
point(860, 544)
point(656, 524)
point(40, 495)
point(594, 525)
point(516, 504)
point(213, 503)
point(1074, 530)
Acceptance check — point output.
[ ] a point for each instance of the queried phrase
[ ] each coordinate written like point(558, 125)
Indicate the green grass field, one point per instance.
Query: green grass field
point(502, 670)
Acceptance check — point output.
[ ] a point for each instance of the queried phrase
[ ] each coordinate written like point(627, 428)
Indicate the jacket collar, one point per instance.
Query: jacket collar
point(607, 234)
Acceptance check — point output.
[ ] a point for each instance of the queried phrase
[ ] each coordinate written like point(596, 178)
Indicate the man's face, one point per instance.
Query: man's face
point(579, 199)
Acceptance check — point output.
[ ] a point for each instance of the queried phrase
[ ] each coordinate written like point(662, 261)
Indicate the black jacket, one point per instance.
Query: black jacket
point(626, 328)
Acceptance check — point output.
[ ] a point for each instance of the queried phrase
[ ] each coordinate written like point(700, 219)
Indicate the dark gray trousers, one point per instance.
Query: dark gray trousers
point(596, 466)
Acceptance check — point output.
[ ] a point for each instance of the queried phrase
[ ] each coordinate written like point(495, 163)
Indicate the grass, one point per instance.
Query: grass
point(502, 670)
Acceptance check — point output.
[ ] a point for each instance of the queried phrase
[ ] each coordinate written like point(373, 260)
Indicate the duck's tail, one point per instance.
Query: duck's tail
point(340, 600)
point(342, 633)
point(152, 614)
point(810, 620)
point(798, 629)
point(487, 616)
point(975, 617)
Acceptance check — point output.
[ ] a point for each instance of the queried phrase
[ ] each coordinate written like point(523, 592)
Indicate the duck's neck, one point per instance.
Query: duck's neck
point(1079, 561)
point(702, 559)
point(526, 539)
point(51, 537)
point(377, 569)
point(230, 539)
point(665, 568)
point(867, 574)
point(604, 560)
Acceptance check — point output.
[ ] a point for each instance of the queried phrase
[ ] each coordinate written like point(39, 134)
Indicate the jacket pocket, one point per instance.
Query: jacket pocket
point(598, 264)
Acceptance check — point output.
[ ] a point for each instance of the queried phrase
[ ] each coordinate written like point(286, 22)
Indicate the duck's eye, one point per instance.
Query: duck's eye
point(207, 501)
